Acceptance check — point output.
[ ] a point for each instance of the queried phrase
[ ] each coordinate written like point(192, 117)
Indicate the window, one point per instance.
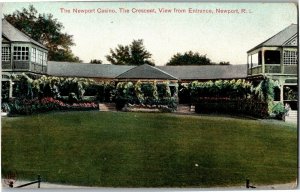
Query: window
point(272, 57)
point(21, 53)
point(39, 57)
point(44, 58)
point(255, 59)
point(290, 57)
point(33, 55)
point(5, 53)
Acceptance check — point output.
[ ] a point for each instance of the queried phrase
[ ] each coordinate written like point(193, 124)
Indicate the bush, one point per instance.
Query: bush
point(72, 98)
point(279, 111)
point(235, 107)
point(146, 93)
point(27, 107)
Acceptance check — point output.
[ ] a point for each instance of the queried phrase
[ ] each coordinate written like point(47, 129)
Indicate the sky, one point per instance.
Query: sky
point(219, 34)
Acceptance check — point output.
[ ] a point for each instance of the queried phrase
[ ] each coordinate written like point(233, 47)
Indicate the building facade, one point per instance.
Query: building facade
point(277, 58)
point(21, 54)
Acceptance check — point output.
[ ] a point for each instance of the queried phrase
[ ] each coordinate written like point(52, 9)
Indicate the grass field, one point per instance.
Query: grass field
point(148, 150)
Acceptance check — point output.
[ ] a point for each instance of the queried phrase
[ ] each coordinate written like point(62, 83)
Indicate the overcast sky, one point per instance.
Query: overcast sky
point(220, 35)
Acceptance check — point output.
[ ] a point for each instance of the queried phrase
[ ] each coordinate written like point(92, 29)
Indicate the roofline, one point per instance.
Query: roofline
point(260, 45)
point(213, 79)
point(295, 35)
point(164, 72)
point(23, 33)
point(146, 78)
point(90, 77)
point(281, 46)
point(29, 42)
point(148, 65)
point(6, 37)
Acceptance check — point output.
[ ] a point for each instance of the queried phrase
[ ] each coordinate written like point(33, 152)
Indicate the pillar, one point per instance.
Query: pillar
point(10, 94)
point(263, 61)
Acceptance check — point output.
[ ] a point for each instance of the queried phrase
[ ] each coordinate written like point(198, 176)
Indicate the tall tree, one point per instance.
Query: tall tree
point(189, 58)
point(133, 54)
point(46, 30)
point(96, 61)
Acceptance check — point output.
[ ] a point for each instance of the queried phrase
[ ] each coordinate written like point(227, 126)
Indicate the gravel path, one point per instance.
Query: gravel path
point(47, 185)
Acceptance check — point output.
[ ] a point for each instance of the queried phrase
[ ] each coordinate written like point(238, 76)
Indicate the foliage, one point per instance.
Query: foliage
point(189, 58)
point(46, 104)
point(23, 87)
point(144, 93)
point(62, 88)
point(290, 93)
point(233, 106)
point(224, 63)
point(265, 90)
point(278, 110)
point(5, 91)
point(234, 96)
point(45, 29)
point(133, 54)
point(96, 61)
point(220, 89)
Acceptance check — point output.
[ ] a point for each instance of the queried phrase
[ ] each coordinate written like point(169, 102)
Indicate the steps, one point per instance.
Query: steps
point(292, 116)
point(107, 107)
point(183, 108)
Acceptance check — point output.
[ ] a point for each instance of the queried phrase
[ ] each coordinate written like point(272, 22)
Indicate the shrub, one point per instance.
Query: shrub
point(236, 107)
point(279, 111)
point(72, 98)
point(144, 93)
point(27, 107)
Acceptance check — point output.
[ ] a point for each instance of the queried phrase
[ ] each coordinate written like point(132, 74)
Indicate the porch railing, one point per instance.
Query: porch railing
point(273, 68)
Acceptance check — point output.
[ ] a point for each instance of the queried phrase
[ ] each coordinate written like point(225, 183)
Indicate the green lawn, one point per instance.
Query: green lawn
point(148, 149)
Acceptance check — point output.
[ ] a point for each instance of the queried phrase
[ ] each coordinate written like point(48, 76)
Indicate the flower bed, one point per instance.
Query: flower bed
point(27, 107)
point(147, 108)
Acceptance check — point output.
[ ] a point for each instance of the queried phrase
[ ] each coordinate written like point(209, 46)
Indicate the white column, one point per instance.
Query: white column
point(10, 94)
point(262, 61)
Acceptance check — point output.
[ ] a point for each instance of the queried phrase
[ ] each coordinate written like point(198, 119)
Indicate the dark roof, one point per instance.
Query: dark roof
point(203, 72)
point(207, 72)
point(15, 35)
point(280, 39)
point(69, 69)
point(146, 72)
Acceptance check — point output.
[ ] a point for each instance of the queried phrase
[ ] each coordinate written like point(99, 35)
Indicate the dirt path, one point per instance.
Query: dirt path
point(47, 185)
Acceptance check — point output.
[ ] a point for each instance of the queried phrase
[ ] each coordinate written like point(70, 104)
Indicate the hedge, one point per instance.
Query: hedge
point(236, 107)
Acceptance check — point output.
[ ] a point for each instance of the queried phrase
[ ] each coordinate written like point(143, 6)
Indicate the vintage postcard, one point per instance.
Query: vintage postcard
point(184, 95)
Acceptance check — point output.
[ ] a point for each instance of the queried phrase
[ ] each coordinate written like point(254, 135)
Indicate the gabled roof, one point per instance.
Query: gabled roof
point(15, 35)
point(280, 39)
point(69, 69)
point(206, 72)
point(146, 72)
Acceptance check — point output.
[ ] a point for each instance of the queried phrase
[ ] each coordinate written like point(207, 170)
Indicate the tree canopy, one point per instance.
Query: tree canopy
point(46, 30)
point(133, 54)
point(96, 61)
point(189, 58)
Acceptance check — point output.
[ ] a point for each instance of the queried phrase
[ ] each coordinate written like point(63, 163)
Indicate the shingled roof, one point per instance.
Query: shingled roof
point(69, 69)
point(280, 39)
point(146, 72)
point(15, 35)
point(203, 72)
point(206, 72)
